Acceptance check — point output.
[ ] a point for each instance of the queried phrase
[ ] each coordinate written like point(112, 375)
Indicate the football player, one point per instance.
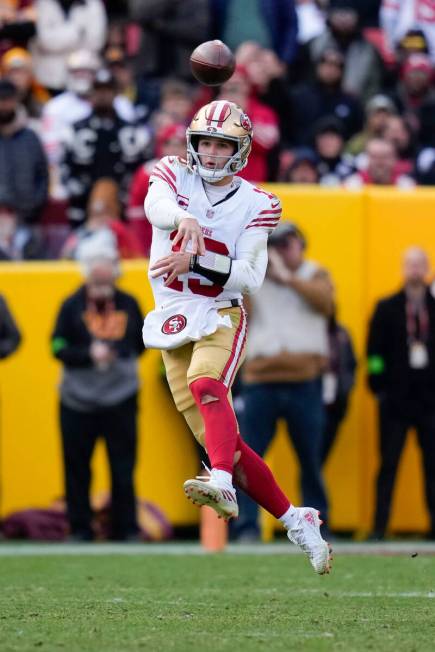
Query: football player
point(209, 247)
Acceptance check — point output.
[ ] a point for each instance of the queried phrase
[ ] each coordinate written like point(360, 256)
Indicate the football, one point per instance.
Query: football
point(212, 63)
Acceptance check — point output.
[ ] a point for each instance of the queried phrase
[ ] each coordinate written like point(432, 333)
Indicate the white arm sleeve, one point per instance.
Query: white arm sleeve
point(161, 208)
point(249, 266)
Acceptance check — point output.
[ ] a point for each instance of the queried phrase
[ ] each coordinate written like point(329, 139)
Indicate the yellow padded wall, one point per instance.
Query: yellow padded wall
point(358, 236)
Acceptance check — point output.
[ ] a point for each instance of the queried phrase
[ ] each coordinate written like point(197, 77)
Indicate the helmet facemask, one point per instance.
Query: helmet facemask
point(233, 164)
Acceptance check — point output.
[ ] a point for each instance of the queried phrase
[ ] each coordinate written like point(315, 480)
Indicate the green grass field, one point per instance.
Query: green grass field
point(231, 602)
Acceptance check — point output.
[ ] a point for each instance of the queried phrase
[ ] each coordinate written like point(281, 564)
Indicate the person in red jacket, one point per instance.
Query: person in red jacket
point(382, 168)
point(170, 141)
point(238, 89)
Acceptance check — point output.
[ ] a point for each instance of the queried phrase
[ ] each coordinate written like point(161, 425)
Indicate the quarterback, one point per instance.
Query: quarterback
point(209, 247)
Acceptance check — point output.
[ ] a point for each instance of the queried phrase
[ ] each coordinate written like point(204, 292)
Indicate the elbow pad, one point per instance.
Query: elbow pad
point(214, 267)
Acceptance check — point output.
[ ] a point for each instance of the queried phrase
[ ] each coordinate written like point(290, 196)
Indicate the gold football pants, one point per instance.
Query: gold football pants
point(216, 356)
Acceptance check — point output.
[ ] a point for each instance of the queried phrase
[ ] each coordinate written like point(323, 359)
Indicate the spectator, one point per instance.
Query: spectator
point(63, 27)
point(101, 146)
point(175, 106)
point(18, 241)
point(362, 75)
point(285, 359)
point(401, 374)
point(265, 124)
point(10, 336)
point(382, 167)
point(399, 133)
point(16, 65)
point(323, 97)
point(397, 18)
point(127, 84)
point(171, 29)
point(333, 164)
point(97, 337)
point(378, 109)
point(413, 42)
point(103, 225)
point(302, 167)
point(170, 141)
point(23, 166)
point(71, 106)
point(267, 75)
point(17, 24)
point(337, 382)
point(415, 97)
point(271, 23)
point(247, 53)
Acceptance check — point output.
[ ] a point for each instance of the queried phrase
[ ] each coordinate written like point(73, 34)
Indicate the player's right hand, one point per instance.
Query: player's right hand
point(190, 231)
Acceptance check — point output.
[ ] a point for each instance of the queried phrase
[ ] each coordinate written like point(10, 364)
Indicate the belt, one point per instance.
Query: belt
point(229, 303)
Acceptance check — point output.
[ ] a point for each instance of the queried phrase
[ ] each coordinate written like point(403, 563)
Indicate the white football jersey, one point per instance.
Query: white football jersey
point(245, 207)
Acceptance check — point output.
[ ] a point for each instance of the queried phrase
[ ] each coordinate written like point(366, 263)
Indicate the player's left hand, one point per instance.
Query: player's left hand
point(173, 265)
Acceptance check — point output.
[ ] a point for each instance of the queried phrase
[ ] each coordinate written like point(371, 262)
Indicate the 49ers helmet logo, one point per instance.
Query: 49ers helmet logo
point(174, 324)
point(245, 122)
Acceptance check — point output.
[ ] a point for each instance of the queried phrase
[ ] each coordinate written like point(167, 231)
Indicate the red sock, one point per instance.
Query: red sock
point(253, 475)
point(219, 420)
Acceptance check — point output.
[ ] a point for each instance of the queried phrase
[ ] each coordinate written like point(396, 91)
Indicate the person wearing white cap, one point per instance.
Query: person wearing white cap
point(62, 27)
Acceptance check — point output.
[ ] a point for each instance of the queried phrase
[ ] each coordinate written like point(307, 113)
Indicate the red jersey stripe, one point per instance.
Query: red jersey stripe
point(169, 171)
point(268, 224)
point(236, 343)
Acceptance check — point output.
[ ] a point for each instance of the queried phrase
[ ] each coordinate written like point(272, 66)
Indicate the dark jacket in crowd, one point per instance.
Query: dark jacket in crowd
point(84, 386)
point(171, 30)
point(280, 18)
point(101, 147)
point(421, 115)
point(23, 173)
point(387, 349)
point(10, 337)
point(363, 68)
point(313, 101)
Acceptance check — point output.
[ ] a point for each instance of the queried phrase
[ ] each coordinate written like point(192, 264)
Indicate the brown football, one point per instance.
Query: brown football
point(212, 63)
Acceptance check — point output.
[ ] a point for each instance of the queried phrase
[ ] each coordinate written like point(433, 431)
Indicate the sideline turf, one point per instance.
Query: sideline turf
point(216, 603)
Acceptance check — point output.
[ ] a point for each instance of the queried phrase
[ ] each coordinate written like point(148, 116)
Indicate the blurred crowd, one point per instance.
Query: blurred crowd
point(341, 94)
point(92, 92)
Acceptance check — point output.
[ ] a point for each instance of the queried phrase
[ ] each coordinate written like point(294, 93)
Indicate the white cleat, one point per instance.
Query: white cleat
point(307, 536)
point(203, 491)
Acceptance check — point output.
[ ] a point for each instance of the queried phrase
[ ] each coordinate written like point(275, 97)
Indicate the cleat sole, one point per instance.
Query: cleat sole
point(195, 491)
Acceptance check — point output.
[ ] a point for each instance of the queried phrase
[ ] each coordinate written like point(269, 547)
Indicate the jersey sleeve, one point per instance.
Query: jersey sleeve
point(248, 268)
point(166, 170)
point(267, 213)
point(161, 207)
point(250, 263)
